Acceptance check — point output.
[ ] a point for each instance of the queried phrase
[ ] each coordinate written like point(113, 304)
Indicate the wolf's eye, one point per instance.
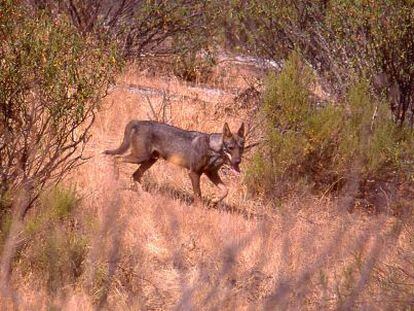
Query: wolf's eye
point(230, 147)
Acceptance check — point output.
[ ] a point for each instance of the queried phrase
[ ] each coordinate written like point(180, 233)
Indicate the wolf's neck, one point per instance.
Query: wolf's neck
point(216, 142)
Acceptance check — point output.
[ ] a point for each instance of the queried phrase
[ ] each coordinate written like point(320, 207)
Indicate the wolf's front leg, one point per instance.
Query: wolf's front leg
point(195, 181)
point(215, 178)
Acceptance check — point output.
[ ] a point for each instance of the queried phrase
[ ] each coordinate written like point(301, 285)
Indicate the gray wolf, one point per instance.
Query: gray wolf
point(200, 153)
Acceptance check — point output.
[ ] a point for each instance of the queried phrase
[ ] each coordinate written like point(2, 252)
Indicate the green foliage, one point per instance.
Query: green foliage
point(140, 28)
point(320, 145)
point(5, 225)
point(341, 39)
point(61, 257)
point(300, 135)
point(61, 202)
point(380, 34)
point(52, 79)
point(60, 247)
point(56, 205)
point(54, 62)
point(356, 132)
point(287, 103)
point(370, 136)
point(259, 175)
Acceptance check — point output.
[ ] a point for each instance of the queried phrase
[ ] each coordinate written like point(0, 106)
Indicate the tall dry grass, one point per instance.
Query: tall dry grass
point(151, 250)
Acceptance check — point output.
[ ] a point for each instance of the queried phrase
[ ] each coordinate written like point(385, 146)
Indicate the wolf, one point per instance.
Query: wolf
point(198, 152)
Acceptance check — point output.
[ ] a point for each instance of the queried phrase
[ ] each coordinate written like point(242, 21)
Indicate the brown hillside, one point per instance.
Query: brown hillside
point(151, 249)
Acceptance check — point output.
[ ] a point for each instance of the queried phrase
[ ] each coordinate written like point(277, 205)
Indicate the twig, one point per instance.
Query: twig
point(374, 116)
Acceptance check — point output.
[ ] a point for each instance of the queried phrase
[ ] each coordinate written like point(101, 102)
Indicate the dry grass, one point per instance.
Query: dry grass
point(154, 251)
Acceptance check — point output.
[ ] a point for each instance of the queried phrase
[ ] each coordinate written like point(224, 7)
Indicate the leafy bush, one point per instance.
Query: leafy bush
point(51, 82)
point(326, 146)
point(370, 136)
point(301, 136)
point(341, 39)
point(143, 27)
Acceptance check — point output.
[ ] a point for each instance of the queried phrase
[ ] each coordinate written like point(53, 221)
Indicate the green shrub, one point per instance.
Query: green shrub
point(52, 80)
point(301, 137)
point(259, 175)
point(355, 130)
point(371, 137)
point(286, 100)
point(379, 34)
point(60, 257)
point(61, 201)
point(323, 147)
point(57, 246)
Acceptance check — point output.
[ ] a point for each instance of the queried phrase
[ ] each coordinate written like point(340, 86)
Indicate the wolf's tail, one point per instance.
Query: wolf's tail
point(131, 126)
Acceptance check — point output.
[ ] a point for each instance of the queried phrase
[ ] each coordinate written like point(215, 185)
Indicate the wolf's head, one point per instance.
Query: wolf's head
point(233, 145)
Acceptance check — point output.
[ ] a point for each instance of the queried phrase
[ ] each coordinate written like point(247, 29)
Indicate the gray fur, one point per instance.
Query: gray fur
point(216, 142)
point(200, 153)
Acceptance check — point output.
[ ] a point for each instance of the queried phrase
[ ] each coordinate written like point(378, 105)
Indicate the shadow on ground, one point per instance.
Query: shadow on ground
point(187, 198)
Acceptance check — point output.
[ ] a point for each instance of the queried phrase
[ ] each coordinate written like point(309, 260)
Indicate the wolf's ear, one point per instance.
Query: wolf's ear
point(240, 132)
point(226, 131)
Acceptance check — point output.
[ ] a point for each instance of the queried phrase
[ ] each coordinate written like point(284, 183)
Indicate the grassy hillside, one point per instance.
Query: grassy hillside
point(99, 244)
point(320, 217)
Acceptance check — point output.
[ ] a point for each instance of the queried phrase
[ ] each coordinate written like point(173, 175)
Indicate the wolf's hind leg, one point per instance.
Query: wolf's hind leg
point(145, 165)
point(215, 178)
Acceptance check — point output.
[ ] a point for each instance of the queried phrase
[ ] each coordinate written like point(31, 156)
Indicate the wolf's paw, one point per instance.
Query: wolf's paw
point(216, 200)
